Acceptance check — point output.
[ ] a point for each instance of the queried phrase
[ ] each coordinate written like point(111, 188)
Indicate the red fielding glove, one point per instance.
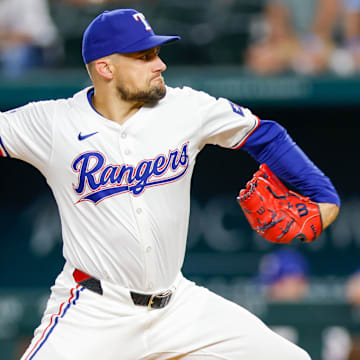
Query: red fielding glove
point(276, 213)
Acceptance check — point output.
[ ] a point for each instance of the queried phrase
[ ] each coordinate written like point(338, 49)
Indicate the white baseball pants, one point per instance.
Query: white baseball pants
point(197, 324)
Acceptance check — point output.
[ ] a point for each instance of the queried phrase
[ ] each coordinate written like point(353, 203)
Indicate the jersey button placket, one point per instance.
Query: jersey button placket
point(149, 260)
point(143, 225)
point(144, 229)
point(124, 144)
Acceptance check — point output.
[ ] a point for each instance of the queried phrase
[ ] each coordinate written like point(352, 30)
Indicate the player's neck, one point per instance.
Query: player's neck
point(112, 107)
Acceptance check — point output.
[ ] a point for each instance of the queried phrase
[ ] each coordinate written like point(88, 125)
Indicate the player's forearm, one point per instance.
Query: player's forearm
point(270, 144)
point(328, 212)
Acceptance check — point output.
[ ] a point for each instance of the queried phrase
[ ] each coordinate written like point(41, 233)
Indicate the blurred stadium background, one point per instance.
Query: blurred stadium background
point(321, 112)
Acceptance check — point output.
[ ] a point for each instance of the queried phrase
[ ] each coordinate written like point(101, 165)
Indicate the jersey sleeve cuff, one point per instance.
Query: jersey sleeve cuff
point(239, 144)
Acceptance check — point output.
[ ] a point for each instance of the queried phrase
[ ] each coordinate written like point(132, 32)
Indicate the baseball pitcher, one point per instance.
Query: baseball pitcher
point(119, 157)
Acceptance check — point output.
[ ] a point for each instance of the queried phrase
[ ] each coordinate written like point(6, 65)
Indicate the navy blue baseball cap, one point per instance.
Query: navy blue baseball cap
point(119, 31)
point(280, 264)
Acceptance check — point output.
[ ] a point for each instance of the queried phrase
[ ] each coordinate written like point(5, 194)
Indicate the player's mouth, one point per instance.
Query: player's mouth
point(158, 78)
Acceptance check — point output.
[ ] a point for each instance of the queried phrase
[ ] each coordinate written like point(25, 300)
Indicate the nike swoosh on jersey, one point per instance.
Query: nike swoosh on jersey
point(83, 137)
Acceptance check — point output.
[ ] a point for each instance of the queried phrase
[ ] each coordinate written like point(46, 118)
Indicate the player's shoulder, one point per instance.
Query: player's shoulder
point(185, 91)
point(188, 95)
point(45, 109)
point(78, 100)
point(32, 108)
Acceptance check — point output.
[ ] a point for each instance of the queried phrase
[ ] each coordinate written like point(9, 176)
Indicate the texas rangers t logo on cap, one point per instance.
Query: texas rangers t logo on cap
point(141, 17)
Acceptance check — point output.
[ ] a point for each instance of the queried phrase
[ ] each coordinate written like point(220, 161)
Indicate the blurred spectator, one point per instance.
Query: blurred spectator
point(279, 41)
point(353, 289)
point(317, 46)
point(355, 350)
point(337, 343)
point(26, 29)
point(283, 275)
point(304, 41)
point(352, 30)
point(353, 297)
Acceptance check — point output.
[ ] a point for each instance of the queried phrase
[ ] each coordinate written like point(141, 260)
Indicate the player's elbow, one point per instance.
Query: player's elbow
point(328, 212)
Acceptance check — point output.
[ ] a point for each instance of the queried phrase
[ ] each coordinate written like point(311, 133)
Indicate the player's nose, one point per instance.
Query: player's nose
point(160, 65)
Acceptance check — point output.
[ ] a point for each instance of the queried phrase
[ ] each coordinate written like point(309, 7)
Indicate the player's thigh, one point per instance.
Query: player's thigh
point(270, 347)
point(246, 336)
point(80, 324)
point(208, 326)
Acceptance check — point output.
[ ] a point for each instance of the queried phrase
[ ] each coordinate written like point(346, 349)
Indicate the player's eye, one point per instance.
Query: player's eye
point(146, 57)
point(149, 56)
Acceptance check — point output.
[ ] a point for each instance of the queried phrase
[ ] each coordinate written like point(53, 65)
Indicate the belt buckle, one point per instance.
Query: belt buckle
point(166, 295)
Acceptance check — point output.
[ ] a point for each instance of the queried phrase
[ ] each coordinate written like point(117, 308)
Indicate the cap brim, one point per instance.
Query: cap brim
point(148, 43)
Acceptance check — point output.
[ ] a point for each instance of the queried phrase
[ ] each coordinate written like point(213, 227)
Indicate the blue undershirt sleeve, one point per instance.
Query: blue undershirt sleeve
point(271, 144)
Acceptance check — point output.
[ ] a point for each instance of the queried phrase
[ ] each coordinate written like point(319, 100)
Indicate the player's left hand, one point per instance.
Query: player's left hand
point(276, 213)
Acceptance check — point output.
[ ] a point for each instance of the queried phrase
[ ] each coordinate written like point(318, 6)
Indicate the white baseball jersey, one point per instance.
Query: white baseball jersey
point(123, 191)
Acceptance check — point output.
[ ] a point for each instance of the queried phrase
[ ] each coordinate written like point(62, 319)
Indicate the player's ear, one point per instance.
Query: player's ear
point(104, 68)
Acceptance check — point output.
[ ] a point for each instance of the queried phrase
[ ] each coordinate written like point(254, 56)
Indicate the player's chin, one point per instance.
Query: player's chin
point(157, 92)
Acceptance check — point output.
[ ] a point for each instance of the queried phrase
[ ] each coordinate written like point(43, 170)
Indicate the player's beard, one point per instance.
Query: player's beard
point(154, 94)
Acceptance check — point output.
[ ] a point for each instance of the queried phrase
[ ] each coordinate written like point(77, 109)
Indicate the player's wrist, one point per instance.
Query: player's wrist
point(328, 212)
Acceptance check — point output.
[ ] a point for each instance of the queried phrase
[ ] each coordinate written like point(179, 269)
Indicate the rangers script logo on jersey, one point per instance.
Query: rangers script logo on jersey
point(107, 180)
